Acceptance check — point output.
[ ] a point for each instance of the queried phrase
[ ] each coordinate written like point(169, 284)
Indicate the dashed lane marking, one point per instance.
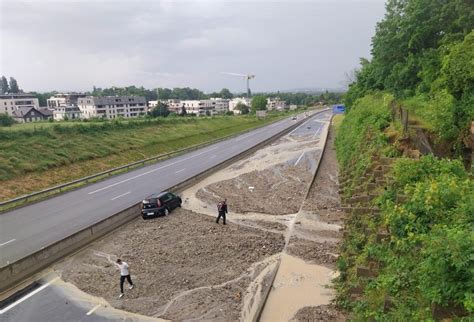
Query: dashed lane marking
point(8, 242)
point(296, 163)
point(123, 194)
point(151, 171)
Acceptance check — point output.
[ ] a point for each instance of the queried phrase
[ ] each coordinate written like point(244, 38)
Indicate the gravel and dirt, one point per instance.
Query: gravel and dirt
point(322, 313)
point(185, 266)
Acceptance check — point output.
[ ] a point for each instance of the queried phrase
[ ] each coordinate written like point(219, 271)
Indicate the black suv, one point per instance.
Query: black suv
point(160, 204)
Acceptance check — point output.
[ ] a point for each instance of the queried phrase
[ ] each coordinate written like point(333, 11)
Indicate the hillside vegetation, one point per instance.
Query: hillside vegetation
point(37, 157)
point(423, 54)
point(412, 235)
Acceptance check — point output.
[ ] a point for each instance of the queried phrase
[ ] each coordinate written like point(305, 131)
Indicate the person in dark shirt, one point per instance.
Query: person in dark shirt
point(222, 210)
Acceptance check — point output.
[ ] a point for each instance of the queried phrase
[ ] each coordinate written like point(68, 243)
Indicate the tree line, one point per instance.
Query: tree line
point(9, 86)
point(423, 50)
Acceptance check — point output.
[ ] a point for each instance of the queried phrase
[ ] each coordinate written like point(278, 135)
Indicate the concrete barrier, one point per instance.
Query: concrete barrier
point(15, 273)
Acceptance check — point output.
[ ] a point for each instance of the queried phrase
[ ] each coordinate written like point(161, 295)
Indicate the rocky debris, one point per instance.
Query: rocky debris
point(168, 256)
point(278, 190)
point(321, 313)
point(313, 252)
point(264, 224)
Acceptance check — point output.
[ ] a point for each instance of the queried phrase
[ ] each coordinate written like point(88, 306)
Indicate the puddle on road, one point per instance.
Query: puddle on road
point(298, 284)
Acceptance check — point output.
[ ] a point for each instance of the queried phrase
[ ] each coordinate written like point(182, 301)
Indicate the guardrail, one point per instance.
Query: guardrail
point(63, 187)
point(13, 274)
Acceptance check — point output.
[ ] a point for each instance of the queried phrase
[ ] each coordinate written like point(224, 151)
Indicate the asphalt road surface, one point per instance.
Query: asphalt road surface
point(28, 229)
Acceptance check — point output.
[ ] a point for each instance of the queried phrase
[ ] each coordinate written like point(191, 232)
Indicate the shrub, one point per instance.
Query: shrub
point(6, 120)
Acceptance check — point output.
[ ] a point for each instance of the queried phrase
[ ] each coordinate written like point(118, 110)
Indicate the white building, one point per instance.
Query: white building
point(221, 105)
point(174, 105)
point(233, 103)
point(112, 106)
point(275, 104)
point(64, 99)
point(9, 103)
point(199, 107)
point(71, 112)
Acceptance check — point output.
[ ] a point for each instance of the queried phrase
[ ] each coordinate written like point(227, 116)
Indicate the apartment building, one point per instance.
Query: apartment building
point(174, 105)
point(221, 105)
point(9, 103)
point(233, 103)
point(275, 103)
point(64, 99)
point(199, 107)
point(112, 106)
point(70, 112)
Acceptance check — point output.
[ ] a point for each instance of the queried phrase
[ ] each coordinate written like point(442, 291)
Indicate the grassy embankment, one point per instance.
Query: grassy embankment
point(427, 208)
point(34, 157)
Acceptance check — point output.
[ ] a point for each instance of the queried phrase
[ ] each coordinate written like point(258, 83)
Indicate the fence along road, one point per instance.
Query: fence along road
point(26, 230)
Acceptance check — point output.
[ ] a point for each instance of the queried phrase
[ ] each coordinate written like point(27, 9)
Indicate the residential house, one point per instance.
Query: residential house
point(26, 114)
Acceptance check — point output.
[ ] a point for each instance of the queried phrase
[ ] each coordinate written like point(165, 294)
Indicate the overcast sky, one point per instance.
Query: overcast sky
point(287, 44)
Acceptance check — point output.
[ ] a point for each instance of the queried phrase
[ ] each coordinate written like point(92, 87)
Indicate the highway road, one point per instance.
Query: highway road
point(28, 229)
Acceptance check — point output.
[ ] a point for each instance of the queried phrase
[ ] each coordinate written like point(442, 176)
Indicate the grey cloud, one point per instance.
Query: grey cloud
point(72, 45)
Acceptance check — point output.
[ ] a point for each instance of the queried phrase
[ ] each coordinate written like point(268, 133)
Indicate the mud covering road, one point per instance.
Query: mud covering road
point(183, 265)
point(187, 267)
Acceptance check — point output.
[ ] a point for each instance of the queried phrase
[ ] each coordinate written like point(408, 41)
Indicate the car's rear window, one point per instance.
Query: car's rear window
point(149, 203)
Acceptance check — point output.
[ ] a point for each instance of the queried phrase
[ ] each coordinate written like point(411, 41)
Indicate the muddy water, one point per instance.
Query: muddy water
point(297, 284)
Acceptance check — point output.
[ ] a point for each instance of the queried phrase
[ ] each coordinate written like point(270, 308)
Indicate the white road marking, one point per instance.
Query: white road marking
point(245, 136)
point(296, 163)
point(180, 170)
point(8, 242)
point(39, 289)
point(93, 309)
point(123, 194)
point(317, 132)
point(148, 172)
point(297, 128)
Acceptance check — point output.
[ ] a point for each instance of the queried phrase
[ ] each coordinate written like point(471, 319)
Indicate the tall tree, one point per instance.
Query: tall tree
point(244, 109)
point(4, 85)
point(259, 103)
point(14, 85)
point(161, 110)
point(225, 93)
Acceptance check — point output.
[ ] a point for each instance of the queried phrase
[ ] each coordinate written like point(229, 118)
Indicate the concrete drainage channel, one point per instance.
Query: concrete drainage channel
point(14, 274)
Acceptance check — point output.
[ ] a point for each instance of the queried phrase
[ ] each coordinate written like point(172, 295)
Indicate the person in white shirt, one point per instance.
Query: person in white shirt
point(124, 274)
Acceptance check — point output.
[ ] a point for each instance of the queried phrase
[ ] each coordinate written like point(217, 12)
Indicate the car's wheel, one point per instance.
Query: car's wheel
point(179, 203)
point(167, 212)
